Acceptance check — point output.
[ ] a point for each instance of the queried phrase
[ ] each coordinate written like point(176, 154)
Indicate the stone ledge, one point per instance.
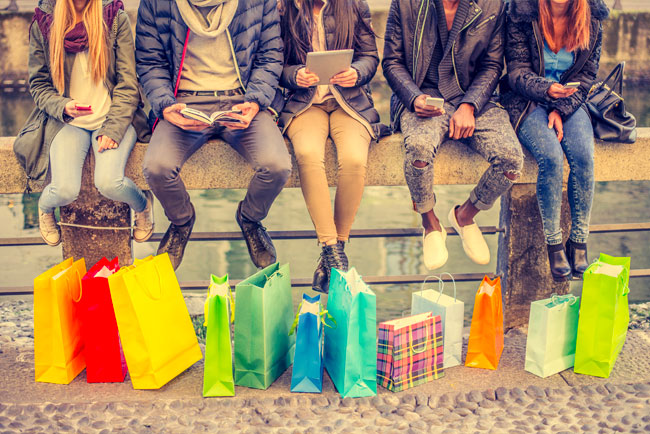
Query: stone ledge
point(455, 164)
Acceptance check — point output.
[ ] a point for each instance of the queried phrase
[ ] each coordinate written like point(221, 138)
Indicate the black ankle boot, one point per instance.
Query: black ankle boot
point(560, 268)
point(331, 257)
point(577, 255)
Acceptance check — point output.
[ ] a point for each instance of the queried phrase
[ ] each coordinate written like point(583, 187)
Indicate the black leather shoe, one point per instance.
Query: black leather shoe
point(259, 243)
point(331, 257)
point(175, 240)
point(577, 255)
point(560, 268)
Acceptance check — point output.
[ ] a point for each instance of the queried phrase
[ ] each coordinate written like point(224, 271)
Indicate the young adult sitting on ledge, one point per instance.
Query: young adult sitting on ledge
point(454, 51)
point(219, 55)
point(82, 78)
point(551, 43)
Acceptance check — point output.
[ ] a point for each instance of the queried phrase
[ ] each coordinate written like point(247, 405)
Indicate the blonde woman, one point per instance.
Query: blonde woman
point(82, 78)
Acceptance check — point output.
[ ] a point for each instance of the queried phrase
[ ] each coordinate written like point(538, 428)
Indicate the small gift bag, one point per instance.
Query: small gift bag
point(485, 343)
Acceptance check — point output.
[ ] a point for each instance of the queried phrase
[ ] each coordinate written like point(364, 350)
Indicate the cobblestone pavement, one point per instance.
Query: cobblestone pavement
point(508, 400)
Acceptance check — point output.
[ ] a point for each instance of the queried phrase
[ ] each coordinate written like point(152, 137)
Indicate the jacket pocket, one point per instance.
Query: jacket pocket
point(482, 24)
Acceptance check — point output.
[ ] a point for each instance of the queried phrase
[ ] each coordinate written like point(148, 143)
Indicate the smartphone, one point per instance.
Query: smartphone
point(572, 85)
point(436, 102)
point(82, 107)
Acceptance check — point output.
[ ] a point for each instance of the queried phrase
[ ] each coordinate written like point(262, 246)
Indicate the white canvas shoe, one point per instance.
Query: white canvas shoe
point(473, 241)
point(144, 221)
point(50, 231)
point(434, 249)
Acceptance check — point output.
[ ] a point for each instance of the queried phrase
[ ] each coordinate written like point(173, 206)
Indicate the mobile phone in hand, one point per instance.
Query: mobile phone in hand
point(572, 85)
point(82, 107)
point(435, 102)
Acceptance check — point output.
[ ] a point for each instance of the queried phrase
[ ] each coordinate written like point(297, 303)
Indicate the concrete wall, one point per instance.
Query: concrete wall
point(626, 37)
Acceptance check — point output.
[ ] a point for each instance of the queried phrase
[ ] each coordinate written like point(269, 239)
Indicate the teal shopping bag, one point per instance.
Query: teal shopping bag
point(218, 377)
point(263, 319)
point(552, 331)
point(604, 315)
point(351, 346)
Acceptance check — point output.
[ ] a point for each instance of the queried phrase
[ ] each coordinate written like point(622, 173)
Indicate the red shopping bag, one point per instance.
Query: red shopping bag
point(104, 357)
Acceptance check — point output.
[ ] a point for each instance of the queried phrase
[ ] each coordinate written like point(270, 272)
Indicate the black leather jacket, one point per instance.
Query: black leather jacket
point(477, 53)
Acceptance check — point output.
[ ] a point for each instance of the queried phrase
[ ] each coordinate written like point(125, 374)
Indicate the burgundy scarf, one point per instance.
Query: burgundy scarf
point(76, 40)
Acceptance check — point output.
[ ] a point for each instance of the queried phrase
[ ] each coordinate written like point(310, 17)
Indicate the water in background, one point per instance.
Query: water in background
point(615, 202)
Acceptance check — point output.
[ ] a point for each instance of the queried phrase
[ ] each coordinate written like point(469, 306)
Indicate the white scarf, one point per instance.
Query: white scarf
point(215, 22)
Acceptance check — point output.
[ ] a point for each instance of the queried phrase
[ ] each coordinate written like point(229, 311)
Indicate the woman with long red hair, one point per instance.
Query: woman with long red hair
point(552, 54)
point(82, 78)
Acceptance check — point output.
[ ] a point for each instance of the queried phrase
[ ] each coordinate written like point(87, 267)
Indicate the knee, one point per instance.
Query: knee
point(419, 153)
point(107, 185)
point(353, 165)
point(68, 192)
point(552, 162)
point(158, 171)
point(307, 158)
point(277, 169)
point(582, 162)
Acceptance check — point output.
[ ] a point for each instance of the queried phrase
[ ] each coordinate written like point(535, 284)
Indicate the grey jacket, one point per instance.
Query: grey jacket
point(477, 53)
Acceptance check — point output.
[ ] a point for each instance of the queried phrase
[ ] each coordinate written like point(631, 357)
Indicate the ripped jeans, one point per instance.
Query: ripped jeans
point(493, 138)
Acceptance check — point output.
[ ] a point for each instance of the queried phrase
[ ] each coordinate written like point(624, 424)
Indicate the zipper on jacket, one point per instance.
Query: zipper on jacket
point(234, 60)
point(483, 23)
point(453, 47)
point(417, 45)
point(541, 68)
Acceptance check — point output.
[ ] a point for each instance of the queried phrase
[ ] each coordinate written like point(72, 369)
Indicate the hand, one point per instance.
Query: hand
point(71, 109)
point(462, 123)
point(555, 122)
point(248, 112)
point(172, 114)
point(558, 91)
point(106, 142)
point(305, 78)
point(346, 78)
point(426, 111)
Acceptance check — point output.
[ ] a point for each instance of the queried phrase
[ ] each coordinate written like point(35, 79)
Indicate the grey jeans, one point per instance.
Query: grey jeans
point(261, 144)
point(493, 138)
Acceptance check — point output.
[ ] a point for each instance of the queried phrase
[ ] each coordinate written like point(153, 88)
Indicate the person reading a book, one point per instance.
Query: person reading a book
point(342, 110)
point(212, 56)
point(82, 78)
point(450, 49)
point(550, 45)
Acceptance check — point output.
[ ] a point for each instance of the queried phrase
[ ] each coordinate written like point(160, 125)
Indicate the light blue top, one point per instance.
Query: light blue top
point(555, 64)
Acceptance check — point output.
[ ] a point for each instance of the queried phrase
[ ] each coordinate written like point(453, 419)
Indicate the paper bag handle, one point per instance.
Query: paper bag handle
point(441, 284)
point(80, 287)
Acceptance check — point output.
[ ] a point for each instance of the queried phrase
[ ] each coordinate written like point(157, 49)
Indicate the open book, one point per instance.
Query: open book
point(210, 119)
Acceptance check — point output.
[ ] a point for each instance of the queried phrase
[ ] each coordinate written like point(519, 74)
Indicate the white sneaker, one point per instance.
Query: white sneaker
point(434, 250)
point(50, 231)
point(144, 221)
point(473, 241)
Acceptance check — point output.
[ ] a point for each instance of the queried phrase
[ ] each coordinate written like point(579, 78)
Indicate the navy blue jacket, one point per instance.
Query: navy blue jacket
point(161, 37)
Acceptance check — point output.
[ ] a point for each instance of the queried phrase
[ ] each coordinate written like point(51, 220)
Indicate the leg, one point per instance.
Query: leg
point(352, 141)
point(578, 145)
point(542, 143)
point(308, 134)
point(168, 150)
point(262, 145)
point(422, 137)
point(109, 172)
point(67, 156)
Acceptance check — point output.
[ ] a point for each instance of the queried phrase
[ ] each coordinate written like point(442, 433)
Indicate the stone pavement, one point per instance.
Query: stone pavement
point(508, 400)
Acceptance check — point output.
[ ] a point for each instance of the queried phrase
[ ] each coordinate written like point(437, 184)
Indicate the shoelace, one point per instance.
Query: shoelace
point(175, 241)
point(49, 223)
point(255, 233)
point(142, 219)
point(332, 258)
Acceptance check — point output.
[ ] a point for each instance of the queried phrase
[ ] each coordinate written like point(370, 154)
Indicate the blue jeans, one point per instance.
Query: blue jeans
point(578, 146)
point(67, 155)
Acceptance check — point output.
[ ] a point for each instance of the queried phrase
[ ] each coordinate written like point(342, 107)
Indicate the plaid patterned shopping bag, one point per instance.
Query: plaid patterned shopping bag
point(409, 351)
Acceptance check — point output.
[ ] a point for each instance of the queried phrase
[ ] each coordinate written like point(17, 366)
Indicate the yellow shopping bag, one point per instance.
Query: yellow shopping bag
point(58, 347)
point(157, 335)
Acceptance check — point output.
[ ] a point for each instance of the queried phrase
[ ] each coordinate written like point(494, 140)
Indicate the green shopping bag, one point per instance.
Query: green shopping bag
point(552, 329)
point(604, 315)
point(351, 346)
point(264, 313)
point(218, 377)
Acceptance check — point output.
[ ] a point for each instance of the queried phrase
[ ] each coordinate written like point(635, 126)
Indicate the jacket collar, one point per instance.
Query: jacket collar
point(526, 11)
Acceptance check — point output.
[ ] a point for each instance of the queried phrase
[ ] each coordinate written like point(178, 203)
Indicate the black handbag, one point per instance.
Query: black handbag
point(610, 119)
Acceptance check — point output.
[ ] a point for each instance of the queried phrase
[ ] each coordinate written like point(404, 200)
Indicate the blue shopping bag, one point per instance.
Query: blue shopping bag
point(307, 375)
point(351, 346)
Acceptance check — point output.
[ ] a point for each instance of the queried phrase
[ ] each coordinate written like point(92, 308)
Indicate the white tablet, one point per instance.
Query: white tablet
point(326, 64)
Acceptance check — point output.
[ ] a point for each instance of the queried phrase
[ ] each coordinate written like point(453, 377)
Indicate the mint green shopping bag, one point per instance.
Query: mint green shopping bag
point(263, 319)
point(218, 377)
point(351, 346)
point(552, 330)
point(604, 315)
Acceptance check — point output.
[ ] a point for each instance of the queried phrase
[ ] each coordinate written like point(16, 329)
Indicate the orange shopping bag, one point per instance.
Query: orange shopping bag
point(58, 347)
point(486, 333)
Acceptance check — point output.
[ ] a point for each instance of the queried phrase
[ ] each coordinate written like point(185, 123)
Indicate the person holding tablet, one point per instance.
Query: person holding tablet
point(552, 54)
point(82, 78)
point(443, 60)
point(342, 110)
